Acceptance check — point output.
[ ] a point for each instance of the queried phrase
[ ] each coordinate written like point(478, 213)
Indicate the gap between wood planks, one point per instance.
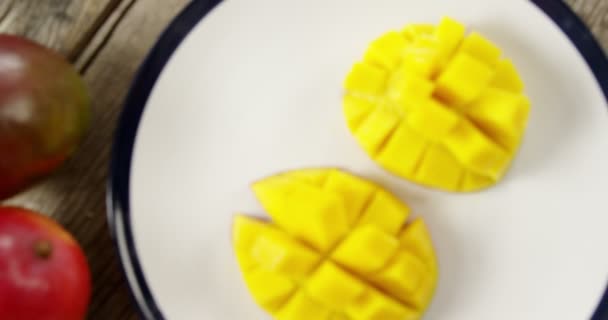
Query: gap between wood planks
point(66, 26)
point(5, 8)
point(102, 33)
point(86, 40)
point(52, 23)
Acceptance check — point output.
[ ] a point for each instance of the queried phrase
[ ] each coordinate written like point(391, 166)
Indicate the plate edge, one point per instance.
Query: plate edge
point(118, 185)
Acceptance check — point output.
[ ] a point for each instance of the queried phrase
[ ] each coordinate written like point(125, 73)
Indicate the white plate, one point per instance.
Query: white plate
point(254, 88)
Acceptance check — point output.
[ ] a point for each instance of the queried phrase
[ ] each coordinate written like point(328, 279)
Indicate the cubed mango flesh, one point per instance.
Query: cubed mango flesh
point(377, 266)
point(438, 106)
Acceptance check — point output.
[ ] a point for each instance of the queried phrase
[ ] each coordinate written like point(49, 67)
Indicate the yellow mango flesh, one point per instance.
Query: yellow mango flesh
point(338, 247)
point(437, 106)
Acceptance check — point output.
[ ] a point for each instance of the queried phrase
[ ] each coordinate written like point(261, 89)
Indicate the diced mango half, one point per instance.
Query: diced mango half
point(449, 112)
point(378, 267)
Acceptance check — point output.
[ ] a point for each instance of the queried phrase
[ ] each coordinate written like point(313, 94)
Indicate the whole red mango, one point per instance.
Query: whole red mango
point(44, 274)
point(44, 112)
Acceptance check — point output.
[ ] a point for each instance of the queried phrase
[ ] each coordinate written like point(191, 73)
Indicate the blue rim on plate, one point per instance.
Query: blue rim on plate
point(118, 199)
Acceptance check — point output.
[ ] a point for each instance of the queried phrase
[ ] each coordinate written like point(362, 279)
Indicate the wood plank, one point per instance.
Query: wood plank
point(595, 15)
point(75, 196)
point(64, 25)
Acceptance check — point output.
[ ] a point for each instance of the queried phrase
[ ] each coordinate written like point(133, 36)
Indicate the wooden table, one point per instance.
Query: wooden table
point(107, 40)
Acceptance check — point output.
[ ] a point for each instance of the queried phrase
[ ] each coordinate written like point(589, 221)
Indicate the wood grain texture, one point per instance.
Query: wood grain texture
point(107, 40)
point(64, 25)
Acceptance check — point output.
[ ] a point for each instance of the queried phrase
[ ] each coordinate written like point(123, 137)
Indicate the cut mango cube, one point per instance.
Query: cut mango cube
point(366, 79)
point(386, 51)
point(403, 152)
point(278, 288)
point(442, 77)
point(433, 120)
point(416, 238)
point(406, 90)
point(366, 250)
point(463, 80)
point(423, 57)
point(440, 168)
point(355, 191)
point(335, 287)
point(356, 110)
point(449, 35)
point(376, 129)
point(407, 278)
point(502, 115)
point(507, 78)
point(480, 48)
point(476, 151)
point(302, 307)
point(246, 232)
point(385, 212)
point(377, 266)
point(277, 252)
point(474, 181)
point(376, 306)
point(307, 213)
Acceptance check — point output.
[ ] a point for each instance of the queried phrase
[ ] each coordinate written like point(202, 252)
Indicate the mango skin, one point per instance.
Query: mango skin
point(44, 112)
point(44, 273)
point(338, 247)
point(438, 107)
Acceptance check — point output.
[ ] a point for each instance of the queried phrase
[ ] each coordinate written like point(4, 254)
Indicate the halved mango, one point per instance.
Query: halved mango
point(411, 113)
point(377, 266)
